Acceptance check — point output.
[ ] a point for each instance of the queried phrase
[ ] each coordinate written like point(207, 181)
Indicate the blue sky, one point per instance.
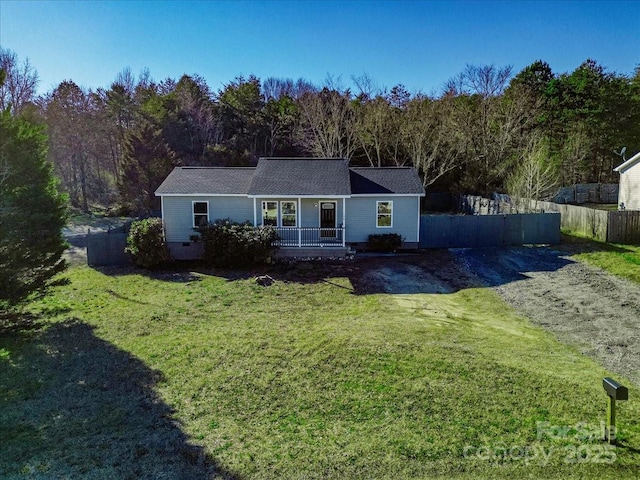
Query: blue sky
point(418, 43)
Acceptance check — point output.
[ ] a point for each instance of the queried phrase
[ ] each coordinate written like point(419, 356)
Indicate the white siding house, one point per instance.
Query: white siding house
point(629, 196)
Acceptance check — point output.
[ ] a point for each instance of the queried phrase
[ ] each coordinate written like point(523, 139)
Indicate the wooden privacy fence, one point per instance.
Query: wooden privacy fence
point(474, 205)
point(582, 220)
point(467, 231)
point(107, 248)
point(624, 227)
point(604, 226)
point(588, 193)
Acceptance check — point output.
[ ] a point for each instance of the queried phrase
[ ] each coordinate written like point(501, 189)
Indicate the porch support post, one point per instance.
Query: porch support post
point(299, 222)
point(418, 232)
point(344, 216)
point(255, 214)
point(164, 227)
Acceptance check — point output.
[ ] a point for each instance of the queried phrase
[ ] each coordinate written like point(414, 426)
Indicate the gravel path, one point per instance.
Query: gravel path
point(582, 305)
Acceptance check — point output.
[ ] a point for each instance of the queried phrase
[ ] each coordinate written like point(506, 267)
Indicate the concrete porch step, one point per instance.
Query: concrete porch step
point(305, 252)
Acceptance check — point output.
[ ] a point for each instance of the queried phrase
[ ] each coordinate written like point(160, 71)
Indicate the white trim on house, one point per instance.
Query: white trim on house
point(288, 214)
point(255, 217)
point(418, 229)
point(628, 164)
point(385, 214)
point(344, 219)
point(299, 196)
point(262, 209)
point(279, 207)
point(360, 195)
point(193, 213)
point(299, 220)
point(243, 195)
point(164, 228)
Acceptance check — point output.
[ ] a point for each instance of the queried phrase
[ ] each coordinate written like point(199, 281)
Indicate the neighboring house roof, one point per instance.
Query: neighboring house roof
point(293, 177)
point(386, 180)
point(628, 164)
point(296, 176)
point(207, 181)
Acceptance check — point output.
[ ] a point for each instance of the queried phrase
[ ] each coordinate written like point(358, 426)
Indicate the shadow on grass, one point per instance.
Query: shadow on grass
point(575, 245)
point(627, 447)
point(433, 271)
point(75, 406)
point(430, 271)
point(500, 266)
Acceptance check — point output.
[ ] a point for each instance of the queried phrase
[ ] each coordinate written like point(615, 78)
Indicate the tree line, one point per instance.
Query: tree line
point(487, 130)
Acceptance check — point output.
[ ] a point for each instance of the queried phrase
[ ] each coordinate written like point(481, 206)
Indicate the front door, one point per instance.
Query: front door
point(327, 219)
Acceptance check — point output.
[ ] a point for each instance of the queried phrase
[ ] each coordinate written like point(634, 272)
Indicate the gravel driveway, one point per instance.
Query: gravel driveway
point(582, 305)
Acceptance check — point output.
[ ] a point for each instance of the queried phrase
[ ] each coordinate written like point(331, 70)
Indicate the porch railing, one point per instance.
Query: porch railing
point(310, 237)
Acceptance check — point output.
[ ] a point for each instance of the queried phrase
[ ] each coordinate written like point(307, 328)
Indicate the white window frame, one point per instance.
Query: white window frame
point(193, 212)
point(263, 204)
point(282, 214)
point(390, 215)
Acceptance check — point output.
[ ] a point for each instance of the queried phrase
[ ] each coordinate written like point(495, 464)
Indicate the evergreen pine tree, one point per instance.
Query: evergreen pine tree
point(32, 212)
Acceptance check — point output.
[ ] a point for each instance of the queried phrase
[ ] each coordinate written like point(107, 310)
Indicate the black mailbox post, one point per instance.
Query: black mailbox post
point(615, 391)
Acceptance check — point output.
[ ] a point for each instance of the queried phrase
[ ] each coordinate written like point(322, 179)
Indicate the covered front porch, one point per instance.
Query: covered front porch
point(303, 222)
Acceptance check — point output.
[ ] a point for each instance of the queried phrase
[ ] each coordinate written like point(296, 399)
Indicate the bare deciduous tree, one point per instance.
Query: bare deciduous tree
point(534, 177)
point(328, 123)
point(78, 130)
point(575, 155)
point(275, 88)
point(492, 125)
point(377, 127)
point(484, 80)
point(428, 135)
point(20, 83)
point(367, 87)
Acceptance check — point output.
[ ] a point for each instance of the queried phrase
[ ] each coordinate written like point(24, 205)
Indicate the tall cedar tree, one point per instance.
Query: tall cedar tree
point(32, 213)
point(147, 161)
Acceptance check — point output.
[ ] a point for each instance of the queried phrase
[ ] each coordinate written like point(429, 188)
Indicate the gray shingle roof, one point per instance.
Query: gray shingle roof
point(207, 180)
point(280, 176)
point(402, 180)
point(309, 176)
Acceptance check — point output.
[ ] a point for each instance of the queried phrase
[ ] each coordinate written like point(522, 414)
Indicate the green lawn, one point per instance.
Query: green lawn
point(123, 375)
point(620, 260)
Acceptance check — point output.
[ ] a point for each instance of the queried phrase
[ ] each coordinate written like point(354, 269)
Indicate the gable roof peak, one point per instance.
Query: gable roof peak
point(386, 167)
point(301, 176)
point(306, 159)
point(628, 164)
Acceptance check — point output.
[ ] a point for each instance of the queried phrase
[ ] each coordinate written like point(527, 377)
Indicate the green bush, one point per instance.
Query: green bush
point(387, 242)
point(146, 243)
point(230, 244)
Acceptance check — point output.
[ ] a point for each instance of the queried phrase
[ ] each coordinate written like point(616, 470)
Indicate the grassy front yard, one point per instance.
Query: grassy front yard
point(620, 260)
point(177, 375)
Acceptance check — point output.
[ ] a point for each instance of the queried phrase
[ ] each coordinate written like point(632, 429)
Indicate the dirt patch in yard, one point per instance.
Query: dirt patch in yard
point(583, 306)
point(432, 272)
